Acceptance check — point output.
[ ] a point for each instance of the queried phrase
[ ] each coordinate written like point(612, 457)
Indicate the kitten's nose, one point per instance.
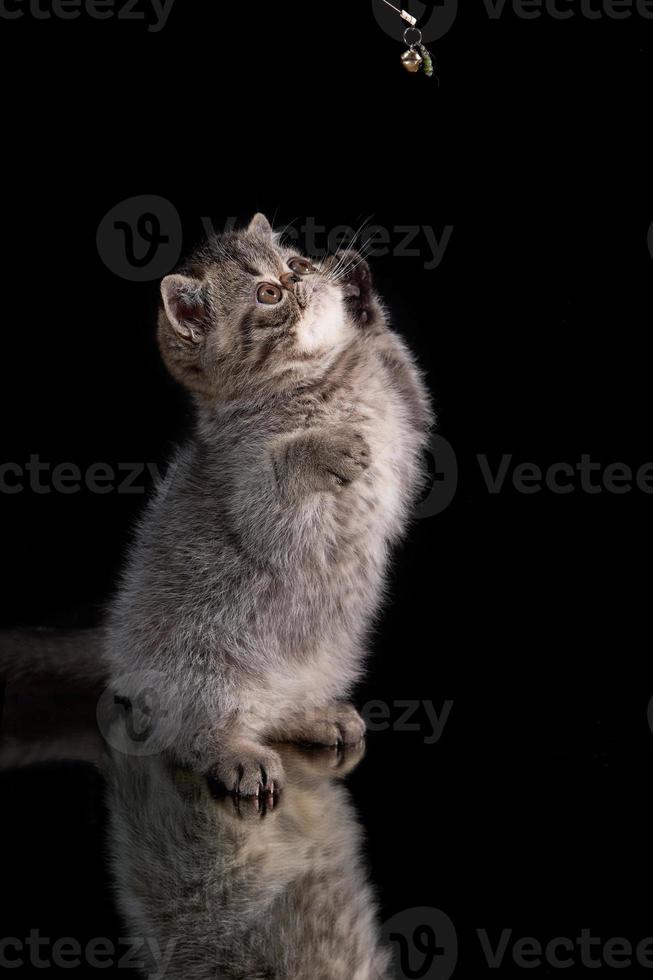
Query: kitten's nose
point(288, 279)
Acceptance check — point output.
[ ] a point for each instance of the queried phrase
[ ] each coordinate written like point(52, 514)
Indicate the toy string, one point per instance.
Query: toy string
point(402, 13)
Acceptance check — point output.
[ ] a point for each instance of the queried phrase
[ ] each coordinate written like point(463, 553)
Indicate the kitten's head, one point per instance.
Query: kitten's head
point(247, 312)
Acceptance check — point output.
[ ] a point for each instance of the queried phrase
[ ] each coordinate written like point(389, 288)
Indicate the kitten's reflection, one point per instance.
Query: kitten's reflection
point(231, 890)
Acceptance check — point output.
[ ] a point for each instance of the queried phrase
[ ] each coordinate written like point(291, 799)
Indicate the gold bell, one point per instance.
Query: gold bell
point(411, 60)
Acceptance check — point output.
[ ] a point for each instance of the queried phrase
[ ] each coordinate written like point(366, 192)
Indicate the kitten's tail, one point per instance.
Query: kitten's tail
point(75, 656)
point(50, 682)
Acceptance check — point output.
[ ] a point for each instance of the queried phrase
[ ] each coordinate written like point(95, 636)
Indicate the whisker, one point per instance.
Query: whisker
point(353, 265)
point(283, 231)
point(340, 269)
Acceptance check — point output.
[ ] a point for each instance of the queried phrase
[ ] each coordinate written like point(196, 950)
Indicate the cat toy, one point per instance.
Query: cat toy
point(417, 54)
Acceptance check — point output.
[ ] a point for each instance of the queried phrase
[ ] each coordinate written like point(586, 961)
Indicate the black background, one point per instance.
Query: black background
point(529, 611)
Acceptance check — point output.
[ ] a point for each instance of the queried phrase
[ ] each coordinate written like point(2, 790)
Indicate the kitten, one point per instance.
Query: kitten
point(236, 890)
point(259, 565)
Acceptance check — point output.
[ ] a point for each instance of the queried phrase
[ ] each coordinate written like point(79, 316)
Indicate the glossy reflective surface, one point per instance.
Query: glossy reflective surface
point(236, 888)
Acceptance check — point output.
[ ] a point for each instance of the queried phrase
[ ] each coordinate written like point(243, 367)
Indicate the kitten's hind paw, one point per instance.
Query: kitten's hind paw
point(336, 725)
point(317, 762)
point(248, 769)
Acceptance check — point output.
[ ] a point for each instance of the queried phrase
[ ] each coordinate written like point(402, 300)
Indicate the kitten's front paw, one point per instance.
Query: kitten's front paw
point(343, 457)
point(357, 287)
point(317, 461)
point(247, 769)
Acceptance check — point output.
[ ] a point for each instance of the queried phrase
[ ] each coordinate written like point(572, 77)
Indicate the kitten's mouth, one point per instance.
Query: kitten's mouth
point(306, 289)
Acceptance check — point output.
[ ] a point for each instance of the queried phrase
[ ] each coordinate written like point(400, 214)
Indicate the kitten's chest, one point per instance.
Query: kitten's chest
point(319, 411)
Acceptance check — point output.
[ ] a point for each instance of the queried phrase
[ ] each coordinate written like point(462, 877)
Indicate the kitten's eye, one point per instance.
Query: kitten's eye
point(268, 293)
point(301, 266)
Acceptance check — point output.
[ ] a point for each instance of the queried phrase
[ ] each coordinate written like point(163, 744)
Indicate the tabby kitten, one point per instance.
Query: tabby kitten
point(259, 564)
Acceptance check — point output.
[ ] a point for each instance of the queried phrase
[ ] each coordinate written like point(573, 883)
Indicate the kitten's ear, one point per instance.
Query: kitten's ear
point(185, 307)
point(259, 225)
